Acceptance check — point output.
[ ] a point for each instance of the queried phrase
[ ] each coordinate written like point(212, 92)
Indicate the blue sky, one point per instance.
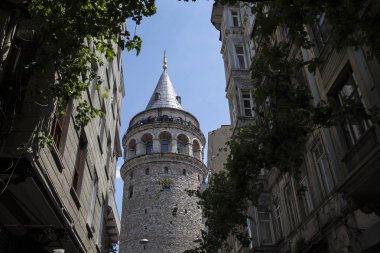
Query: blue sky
point(195, 66)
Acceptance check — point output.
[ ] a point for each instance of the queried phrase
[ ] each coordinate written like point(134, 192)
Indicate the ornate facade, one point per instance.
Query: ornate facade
point(339, 212)
point(163, 159)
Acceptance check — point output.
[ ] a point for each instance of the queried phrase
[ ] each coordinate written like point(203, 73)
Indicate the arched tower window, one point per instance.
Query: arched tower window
point(182, 142)
point(165, 138)
point(147, 139)
point(196, 149)
point(131, 148)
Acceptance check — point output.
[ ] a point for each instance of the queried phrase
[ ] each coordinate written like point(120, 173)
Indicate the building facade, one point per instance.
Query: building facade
point(163, 159)
point(339, 212)
point(217, 149)
point(58, 198)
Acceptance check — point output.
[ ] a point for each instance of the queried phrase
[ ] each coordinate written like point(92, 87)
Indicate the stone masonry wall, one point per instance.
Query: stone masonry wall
point(147, 217)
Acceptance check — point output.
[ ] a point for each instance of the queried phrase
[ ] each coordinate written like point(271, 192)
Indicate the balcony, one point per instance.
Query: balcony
point(361, 187)
point(166, 119)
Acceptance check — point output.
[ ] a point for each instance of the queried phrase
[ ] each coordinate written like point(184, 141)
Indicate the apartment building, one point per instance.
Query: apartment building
point(217, 149)
point(58, 198)
point(339, 211)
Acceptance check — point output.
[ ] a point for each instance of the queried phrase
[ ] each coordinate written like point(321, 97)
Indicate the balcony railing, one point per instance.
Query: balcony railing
point(166, 119)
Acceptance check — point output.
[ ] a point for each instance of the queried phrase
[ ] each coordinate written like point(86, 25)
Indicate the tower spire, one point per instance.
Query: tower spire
point(165, 66)
point(164, 95)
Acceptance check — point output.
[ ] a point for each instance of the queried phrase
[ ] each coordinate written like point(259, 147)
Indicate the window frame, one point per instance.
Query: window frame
point(165, 143)
point(102, 225)
point(241, 61)
point(62, 125)
point(278, 218)
point(321, 31)
point(291, 206)
point(235, 18)
point(149, 147)
point(305, 200)
point(352, 132)
point(92, 204)
point(80, 164)
point(244, 108)
point(269, 223)
point(322, 164)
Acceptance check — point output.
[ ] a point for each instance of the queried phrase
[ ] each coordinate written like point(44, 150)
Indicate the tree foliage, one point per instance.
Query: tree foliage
point(284, 113)
point(78, 35)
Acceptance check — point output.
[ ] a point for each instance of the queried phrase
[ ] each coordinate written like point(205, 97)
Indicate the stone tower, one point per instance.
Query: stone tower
point(163, 158)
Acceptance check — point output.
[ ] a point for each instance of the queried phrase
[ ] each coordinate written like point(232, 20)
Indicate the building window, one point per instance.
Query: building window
point(165, 139)
point(353, 128)
point(147, 171)
point(132, 148)
point(266, 228)
point(90, 215)
point(249, 232)
point(278, 218)
point(164, 146)
point(157, 96)
point(291, 206)
point(131, 175)
point(323, 168)
point(235, 18)
point(247, 103)
point(149, 147)
point(239, 51)
point(109, 157)
point(321, 31)
point(233, 112)
point(197, 152)
point(80, 164)
point(102, 127)
point(304, 197)
point(178, 99)
point(59, 127)
point(147, 139)
point(184, 172)
point(182, 141)
point(166, 170)
point(130, 191)
point(102, 224)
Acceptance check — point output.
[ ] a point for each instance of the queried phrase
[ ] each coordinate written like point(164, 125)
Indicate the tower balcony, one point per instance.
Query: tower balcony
point(165, 120)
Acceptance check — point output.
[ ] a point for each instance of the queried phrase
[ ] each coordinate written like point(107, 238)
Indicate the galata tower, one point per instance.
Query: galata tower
point(163, 160)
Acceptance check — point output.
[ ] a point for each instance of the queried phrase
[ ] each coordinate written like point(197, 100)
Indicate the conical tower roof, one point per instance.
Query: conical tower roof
point(164, 95)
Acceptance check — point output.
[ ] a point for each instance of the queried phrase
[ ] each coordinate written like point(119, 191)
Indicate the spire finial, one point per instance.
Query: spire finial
point(165, 64)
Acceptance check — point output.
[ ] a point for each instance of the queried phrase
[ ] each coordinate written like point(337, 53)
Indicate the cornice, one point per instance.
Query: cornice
point(162, 157)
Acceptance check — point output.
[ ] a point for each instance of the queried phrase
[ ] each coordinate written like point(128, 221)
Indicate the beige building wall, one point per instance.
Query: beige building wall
point(217, 149)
